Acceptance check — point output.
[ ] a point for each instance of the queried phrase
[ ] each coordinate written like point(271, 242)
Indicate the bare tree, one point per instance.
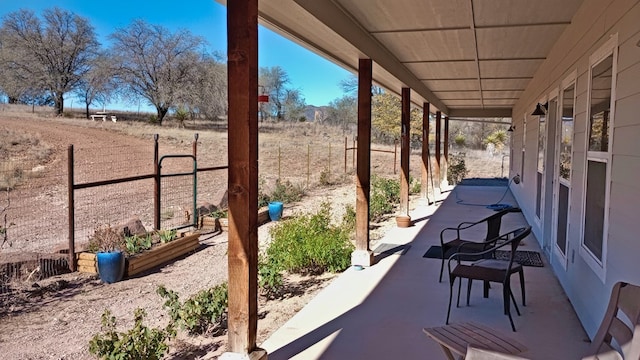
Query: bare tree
point(156, 64)
point(208, 98)
point(98, 84)
point(51, 55)
point(274, 80)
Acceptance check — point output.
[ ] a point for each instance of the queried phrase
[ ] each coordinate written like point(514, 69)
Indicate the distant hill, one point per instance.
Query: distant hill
point(316, 113)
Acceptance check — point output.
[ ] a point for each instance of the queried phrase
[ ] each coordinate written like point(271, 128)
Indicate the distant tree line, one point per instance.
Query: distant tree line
point(44, 59)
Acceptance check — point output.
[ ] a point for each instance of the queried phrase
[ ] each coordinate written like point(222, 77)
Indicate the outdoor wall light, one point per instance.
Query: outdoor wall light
point(540, 110)
point(511, 128)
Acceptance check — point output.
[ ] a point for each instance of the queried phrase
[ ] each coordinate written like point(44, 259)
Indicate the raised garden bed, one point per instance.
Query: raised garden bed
point(209, 223)
point(158, 255)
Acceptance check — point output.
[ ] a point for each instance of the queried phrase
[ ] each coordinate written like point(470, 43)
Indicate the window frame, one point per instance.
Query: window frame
point(609, 48)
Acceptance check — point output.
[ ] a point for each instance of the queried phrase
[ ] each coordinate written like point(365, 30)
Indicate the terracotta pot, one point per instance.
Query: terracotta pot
point(403, 221)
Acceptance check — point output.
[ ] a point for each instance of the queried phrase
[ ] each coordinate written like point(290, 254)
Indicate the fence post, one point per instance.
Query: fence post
point(395, 155)
point(195, 180)
point(329, 159)
point(156, 185)
point(279, 161)
point(345, 154)
point(353, 154)
point(308, 163)
point(195, 145)
point(72, 223)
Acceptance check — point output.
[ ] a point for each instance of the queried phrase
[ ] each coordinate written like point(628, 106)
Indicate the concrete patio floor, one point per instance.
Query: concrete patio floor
point(379, 312)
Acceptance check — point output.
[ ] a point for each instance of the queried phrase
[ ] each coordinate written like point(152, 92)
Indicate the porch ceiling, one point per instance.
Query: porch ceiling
point(465, 57)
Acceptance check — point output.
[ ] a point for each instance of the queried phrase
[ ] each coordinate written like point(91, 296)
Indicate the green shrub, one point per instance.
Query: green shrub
point(457, 168)
point(139, 343)
point(414, 185)
point(200, 313)
point(459, 140)
point(286, 192)
point(310, 244)
point(269, 276)
point(263, 198)
point(349, 218)
point(385, 193)
point(325, 177)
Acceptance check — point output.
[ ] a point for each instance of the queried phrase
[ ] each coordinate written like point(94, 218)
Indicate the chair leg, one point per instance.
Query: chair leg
point(459, 290)
point(441, 267)
point(514, 302)
point(451, 280)
point(521, 273)
point(507, 305)
point(469, 282)
point(485, 291)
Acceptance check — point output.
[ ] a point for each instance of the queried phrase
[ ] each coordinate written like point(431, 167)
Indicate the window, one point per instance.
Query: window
point(602, 81)
point(566, 132)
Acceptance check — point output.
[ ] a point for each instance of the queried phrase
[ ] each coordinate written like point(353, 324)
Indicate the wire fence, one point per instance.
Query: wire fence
point(119, 184)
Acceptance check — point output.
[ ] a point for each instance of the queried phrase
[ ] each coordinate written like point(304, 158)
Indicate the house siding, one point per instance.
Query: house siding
point(592, 26)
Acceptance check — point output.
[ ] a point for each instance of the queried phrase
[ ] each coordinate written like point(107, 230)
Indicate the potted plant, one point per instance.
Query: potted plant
point(108, 244)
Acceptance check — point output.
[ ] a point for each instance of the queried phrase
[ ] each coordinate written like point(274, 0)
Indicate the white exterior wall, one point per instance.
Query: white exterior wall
point(594, 23)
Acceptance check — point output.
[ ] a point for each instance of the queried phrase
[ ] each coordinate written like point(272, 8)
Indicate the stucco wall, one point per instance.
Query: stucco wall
point(592, 26)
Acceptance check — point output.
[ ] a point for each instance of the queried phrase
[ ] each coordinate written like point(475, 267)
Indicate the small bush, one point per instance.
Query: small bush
point(349, 218)
point(457, 169)
point(459, 140)
point(287, 192)
point(310, 244)
point(263, 198)
point(385, 193)
point(139, 343)
point(414, 185)
point(199, 314)
point(269, 276)
point(325, 177)
point(167, 235)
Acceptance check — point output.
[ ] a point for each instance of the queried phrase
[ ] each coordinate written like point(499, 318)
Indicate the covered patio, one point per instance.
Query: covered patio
point(576, 62)
point(379, 312)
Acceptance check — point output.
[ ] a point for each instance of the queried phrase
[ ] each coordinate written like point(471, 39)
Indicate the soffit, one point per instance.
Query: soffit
point(473, 55)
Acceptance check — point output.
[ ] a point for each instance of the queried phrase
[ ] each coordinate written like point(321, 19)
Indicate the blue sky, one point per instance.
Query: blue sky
point(317, 78)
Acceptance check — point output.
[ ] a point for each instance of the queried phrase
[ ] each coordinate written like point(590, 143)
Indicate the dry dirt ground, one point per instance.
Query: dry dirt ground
point(54, 318)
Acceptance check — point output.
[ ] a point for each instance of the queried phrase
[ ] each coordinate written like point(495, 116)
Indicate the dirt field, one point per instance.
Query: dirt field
point(54, 318)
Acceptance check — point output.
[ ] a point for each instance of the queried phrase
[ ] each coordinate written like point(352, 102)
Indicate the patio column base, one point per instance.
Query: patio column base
point(256, 354)
point(362, 258)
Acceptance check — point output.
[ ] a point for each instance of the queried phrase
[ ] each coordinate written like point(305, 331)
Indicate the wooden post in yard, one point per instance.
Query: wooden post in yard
point(424, 164)
point(363, 255)
point(403, 219)
point(73, 264)
point(242, 50)
point(438, 139)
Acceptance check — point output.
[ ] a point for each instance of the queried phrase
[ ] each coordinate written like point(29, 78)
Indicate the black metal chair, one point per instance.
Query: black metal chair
point(492, 222)
point(500, 274)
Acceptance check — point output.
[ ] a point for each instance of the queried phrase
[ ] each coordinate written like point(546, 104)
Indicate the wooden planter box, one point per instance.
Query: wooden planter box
point(148, 259)
point(208, 223)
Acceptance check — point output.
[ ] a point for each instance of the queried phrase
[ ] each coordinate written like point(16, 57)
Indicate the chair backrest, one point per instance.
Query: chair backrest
point(494, 222)
point(620, 332)
point(511, 239)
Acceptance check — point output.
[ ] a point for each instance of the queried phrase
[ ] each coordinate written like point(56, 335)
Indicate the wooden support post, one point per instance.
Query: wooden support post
point(437, 169)
point(403, 219)
point(73, 263)
point(242, 69)
point(156, 183)
point(424, 165)
point(363, 255)
point(445, 147)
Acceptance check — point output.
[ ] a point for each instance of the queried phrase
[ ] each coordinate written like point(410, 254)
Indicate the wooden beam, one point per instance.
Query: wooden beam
point(480, 113)
point(424, 164)
point(438, 140)
point(405, 133)
point(242, 41)
point(362, 255)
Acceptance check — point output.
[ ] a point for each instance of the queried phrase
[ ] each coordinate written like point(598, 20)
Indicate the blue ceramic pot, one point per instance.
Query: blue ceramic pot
point(110, 266)
point(275, 210)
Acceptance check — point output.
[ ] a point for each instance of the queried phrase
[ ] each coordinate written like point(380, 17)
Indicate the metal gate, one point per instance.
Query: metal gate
point(177, 194)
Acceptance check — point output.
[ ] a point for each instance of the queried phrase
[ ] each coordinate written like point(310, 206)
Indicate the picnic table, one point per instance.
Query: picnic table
point(102, 115)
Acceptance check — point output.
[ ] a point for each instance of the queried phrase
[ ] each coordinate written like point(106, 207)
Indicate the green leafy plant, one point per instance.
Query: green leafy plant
point(167, 235)
point(269, 276)
point(138, 343)
point(199, 314)
point(325, 177)
point(385, 193)
point(135, 244)
point(263, 198)
point(414, 185)
point(310, 244)
point(349, 218)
